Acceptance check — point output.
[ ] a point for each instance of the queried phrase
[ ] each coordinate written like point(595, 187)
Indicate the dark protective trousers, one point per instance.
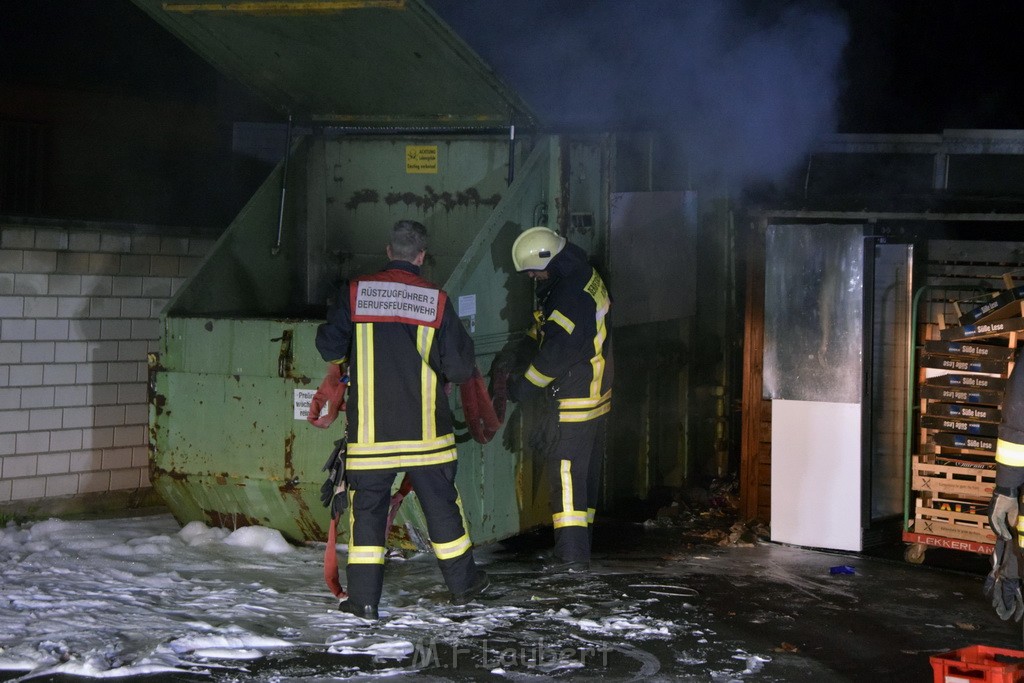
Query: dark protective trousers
point(574, 473)
point(370, 492)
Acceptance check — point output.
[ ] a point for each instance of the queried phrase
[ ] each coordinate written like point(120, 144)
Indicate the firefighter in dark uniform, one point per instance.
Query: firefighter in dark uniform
point(402, 341)
point(572, 366)
point(1003, 584)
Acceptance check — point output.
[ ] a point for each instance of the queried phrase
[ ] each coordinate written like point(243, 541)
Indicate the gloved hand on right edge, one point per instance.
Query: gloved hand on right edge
point(1007, 600)
point(1002, 584)
point(1002, 513)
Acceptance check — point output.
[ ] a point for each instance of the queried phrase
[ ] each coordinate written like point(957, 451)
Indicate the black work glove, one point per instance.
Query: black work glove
point(521, 389)
point(333, 491)
point(510, 436)
point(333, 498)
point(1008, 601)
point(1002, 584)
point(513, 385)
point(1006, 597)
point(544, 436)
point(326, 492)
point(545, 428)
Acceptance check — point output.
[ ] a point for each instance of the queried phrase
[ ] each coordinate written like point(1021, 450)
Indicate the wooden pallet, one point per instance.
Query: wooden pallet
point(954, 509)
point(947, 517)
point(943, 529)
point(950, 479)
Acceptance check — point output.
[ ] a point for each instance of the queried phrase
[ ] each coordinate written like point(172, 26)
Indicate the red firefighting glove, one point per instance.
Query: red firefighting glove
point(481, 419)
point(329, 399)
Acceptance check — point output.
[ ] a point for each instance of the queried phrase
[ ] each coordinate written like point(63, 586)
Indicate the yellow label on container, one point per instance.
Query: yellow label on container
point(421, 158)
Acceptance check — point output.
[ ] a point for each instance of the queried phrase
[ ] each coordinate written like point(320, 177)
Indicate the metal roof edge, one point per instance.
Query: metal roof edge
point(185, 20)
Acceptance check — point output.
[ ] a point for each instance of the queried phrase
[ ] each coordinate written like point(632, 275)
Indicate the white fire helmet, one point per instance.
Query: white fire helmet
point(535, 248)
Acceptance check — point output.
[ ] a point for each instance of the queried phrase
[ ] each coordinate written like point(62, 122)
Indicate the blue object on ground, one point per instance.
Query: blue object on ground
point(842, 569)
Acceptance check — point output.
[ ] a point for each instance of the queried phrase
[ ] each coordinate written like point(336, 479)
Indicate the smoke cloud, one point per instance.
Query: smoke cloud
point(748, 86)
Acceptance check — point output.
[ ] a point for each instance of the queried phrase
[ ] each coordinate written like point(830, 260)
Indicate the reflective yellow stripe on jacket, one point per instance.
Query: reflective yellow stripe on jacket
point(428, 383)
point(538, 378)
point(583, 409)
point(400, 454)
point(364, 380)
point(365, 452)
point(1008, 453)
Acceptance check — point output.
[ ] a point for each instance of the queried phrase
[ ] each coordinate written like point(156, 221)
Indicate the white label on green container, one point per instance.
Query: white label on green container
point(467, 305)
point(303, 397)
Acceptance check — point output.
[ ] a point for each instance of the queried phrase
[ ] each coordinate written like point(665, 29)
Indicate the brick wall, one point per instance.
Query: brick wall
point(79, 312)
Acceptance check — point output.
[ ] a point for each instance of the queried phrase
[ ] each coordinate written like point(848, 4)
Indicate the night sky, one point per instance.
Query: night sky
point(921, 67)
point(910, 66)
point(902, 67)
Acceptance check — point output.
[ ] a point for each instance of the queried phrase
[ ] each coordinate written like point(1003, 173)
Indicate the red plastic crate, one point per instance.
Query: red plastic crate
point(979, 664)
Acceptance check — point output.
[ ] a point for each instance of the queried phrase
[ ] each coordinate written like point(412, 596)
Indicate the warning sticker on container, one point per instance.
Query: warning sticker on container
point(303, 397)
point(374, 301)
point(421, 158)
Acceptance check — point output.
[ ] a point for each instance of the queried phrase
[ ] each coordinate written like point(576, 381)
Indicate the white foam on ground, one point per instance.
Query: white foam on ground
point(132, 597)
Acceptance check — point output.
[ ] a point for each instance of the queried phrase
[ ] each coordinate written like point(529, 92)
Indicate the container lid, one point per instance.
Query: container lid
point(346, 62)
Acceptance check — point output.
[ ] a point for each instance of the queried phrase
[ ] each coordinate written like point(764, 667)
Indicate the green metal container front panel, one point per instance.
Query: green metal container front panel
point(228, 451)
point(226, 447)
point(358, 187)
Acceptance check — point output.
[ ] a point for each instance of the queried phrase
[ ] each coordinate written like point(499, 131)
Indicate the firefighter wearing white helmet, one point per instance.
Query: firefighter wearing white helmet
point(571, 367)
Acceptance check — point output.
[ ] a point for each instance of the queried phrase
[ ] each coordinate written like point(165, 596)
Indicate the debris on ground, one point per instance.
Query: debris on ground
point(706, 515)
point(745, 534)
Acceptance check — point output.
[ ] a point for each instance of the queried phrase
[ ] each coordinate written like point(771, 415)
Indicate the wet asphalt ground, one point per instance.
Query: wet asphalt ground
point(770, 612)
point(671, 604)
point(663, 603)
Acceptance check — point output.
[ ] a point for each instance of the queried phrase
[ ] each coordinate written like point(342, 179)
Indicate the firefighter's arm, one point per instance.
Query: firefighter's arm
point(1004, 506)
point(563, 344)
point(456, 349)
point(332, 341)
point(567, 340)
point(334, 337)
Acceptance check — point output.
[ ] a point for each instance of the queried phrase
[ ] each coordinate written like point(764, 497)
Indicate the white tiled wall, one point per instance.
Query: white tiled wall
point(78, 314)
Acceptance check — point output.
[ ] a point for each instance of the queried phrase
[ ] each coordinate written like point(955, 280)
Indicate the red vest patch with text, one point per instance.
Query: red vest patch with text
point(395, 296)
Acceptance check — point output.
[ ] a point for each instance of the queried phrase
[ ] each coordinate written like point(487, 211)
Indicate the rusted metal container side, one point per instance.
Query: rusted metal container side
point(395, 117)
point(229, 443)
